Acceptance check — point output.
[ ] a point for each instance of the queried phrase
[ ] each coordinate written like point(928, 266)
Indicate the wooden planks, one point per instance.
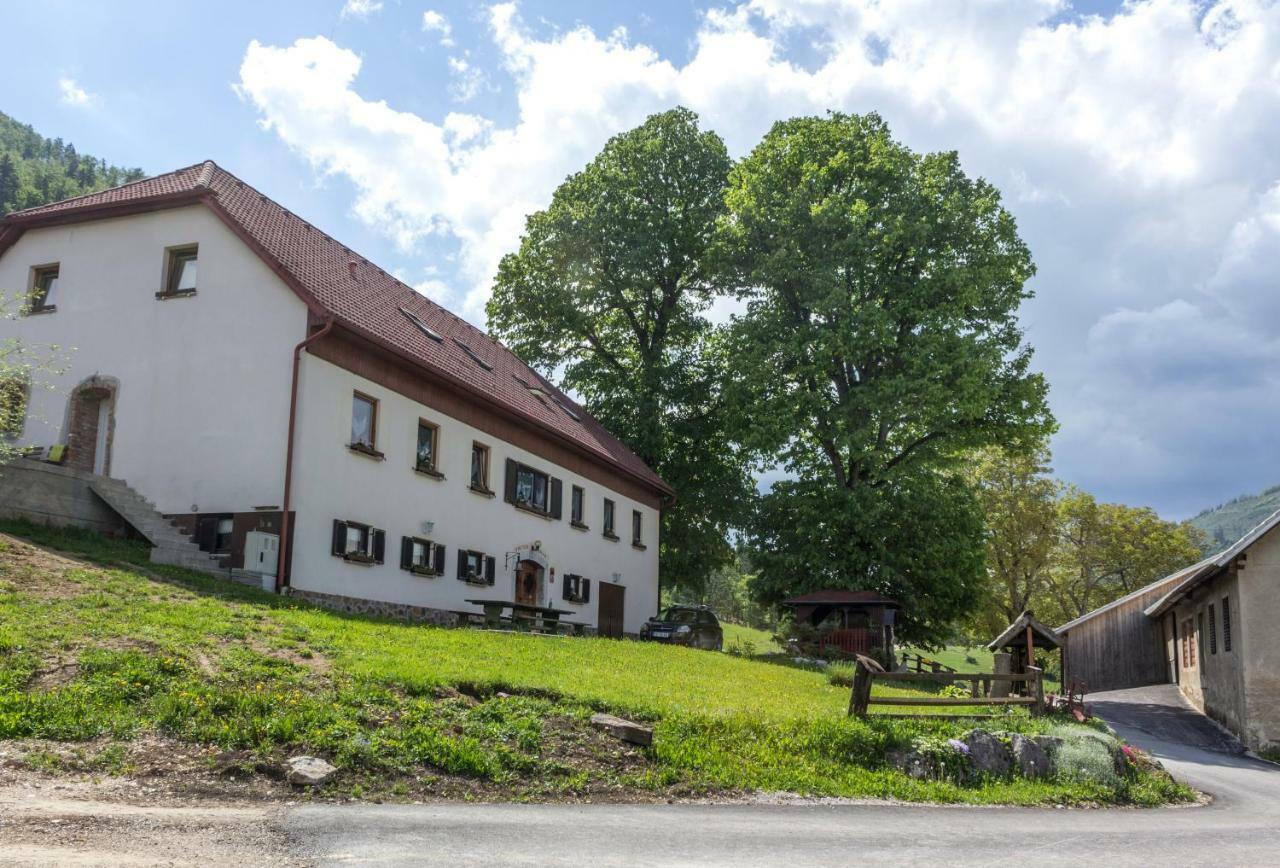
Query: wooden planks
point(860, 697)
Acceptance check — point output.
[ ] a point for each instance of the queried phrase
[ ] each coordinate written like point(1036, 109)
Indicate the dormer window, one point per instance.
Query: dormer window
point(180, 271)
point(471, 354)
point(44, 289)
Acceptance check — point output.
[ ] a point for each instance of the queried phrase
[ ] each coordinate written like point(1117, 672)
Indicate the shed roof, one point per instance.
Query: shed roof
point(1115, 604)
point(372, 304)
point(1018, 631)
point(834, 597)
point(1212, 566)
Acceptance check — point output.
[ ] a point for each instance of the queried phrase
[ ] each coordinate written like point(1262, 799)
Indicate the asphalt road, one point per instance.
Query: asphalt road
point(1240, 827)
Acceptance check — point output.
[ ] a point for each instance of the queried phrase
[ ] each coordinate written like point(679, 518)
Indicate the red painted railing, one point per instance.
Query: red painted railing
point(851, 641)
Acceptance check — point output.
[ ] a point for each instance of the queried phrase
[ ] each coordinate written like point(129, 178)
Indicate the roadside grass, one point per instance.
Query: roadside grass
point(125, 648)
point(748, 641)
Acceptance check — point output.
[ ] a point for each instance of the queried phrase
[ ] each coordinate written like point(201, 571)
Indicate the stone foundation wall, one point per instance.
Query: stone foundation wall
point(50, 494)
point(378, 608)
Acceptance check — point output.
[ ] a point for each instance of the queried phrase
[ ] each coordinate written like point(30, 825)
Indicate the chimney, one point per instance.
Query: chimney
point(351, 267)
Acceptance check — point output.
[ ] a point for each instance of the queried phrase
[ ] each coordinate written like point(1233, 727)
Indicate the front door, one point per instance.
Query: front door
point(609, 619)
point(528, 582)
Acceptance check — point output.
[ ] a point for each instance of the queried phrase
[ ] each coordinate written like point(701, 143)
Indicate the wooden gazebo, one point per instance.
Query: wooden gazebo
point(851, 622)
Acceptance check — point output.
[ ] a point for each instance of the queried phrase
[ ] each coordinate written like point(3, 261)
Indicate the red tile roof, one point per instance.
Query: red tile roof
point(319, 268)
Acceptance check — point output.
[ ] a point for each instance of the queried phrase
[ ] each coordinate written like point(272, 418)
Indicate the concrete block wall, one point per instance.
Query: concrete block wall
point(50, 494)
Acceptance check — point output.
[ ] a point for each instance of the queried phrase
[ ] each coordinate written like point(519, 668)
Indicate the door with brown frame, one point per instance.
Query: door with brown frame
point(609, 618)
point(528, 582)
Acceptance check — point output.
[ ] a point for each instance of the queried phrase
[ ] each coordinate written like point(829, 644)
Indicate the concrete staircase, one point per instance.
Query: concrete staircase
point(171, 545)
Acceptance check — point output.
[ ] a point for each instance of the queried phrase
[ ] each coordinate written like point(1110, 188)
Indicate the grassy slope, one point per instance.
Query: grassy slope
point(88, 652)
point(742, 636)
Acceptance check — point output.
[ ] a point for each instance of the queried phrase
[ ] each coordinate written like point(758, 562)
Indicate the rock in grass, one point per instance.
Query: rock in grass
point(309, 771)
point(622, 729)
point(988, 754)
point(914, 764)
point(1031, 759)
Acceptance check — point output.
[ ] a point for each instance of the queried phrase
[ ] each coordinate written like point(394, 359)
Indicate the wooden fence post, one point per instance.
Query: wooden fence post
point(860, 696)
point(1037, 689)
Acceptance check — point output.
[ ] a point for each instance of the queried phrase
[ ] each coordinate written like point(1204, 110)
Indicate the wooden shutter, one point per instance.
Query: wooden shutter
point(339, 537)
point(585, 591)
point(462, 564)
point(557, 498)
point(379, 544)
point(509, 484)
point(489, 569)
point(406, 552)
point(564, 591)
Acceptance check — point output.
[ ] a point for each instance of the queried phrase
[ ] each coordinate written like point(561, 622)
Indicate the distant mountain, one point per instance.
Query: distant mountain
point(35, 170)
point(1227, 523)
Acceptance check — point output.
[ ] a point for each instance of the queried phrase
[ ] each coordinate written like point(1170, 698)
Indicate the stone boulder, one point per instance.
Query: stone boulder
point(309, 771)
point(1030, 757)
point(914, 764)
point(988, 754)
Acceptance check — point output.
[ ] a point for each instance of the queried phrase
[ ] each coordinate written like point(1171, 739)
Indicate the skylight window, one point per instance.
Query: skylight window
point(471, 353)
point(422, 327)
point(570, 413)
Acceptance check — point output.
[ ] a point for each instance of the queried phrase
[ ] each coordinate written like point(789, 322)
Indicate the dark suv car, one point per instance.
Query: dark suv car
point(694, 626)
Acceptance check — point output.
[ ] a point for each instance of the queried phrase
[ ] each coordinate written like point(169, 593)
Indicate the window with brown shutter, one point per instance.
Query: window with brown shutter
point(421, 557)
point(358, 543)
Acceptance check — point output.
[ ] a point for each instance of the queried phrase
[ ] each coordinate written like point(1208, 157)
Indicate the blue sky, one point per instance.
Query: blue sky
point(1135, 144)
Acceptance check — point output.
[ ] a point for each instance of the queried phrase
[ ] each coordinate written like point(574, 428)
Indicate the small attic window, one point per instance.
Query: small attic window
point(422, 327)
point(472, 354)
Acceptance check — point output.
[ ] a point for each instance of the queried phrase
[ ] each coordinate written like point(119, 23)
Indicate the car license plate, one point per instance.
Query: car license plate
point(661, 634)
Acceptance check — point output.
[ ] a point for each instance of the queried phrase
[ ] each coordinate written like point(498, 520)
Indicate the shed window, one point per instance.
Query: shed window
point(180, 273)
point(1213, 631)
point(222, 535)
point(1226, 624)
point(44, 289)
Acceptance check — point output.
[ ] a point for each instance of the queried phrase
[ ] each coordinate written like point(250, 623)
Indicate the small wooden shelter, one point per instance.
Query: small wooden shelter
point(851, 622)
point(1023, 637)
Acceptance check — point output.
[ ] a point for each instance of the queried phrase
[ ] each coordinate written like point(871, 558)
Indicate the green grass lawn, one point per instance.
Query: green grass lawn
point(747, 640)
point(118, 647)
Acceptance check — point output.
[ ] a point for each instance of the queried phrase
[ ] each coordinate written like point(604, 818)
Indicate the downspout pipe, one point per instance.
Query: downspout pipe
point(282, 578)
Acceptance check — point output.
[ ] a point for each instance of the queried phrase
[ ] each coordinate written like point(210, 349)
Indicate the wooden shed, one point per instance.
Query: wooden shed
point(1118, 646)
point(1023, 638)
point(849, 622)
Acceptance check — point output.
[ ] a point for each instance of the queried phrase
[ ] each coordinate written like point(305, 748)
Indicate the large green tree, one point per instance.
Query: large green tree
point(609, 291)
point(879, 341)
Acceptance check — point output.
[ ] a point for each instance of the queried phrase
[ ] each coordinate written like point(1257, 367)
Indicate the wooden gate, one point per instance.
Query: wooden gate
point(609, 619)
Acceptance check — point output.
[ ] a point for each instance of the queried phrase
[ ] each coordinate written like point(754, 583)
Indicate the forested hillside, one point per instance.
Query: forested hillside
point(35, 170)
point(1227, 523)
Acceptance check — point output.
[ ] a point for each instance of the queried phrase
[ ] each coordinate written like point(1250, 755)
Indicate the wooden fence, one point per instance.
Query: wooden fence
point(918, 663)
point(979, 689)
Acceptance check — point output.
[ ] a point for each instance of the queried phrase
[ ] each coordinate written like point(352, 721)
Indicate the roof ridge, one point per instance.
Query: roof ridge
point(70, 199)
point(206, 173)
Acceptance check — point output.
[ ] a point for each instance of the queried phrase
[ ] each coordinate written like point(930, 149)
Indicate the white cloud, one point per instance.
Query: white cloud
point(71, 93)
point(434, 22)
point(360, 8)
point(1137, 150)
point(467, 80)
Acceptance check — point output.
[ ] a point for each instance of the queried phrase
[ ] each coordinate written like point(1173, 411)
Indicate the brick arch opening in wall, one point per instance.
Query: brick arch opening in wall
point(91, 423)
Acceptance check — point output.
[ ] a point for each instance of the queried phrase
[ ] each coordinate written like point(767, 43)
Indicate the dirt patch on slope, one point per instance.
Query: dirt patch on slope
point(36, 571)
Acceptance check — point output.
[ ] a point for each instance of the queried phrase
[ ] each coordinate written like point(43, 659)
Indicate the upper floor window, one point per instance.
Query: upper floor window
point(637, 528)
point(609, 510)
point(480, 467)
point(428, 448)
point(576, 497)
point(533, 490)
point(44, 289)
point(180, 271)
point(364, 423)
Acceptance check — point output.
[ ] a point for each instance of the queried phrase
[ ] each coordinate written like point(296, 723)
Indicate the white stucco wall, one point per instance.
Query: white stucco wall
point(202, 406)
point(332, 482)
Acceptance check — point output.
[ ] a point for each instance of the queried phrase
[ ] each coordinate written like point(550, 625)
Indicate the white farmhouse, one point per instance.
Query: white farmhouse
point(301, 413)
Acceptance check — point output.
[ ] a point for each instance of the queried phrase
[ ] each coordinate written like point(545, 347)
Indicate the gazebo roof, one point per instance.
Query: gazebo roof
point(1016, 634)
point(835, 597)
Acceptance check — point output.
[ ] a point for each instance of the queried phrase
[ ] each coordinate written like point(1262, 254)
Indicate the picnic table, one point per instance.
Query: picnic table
point(543, 616)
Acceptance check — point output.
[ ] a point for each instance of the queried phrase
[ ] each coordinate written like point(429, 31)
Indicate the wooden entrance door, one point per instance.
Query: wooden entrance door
point(528, 582)
point(609, 619)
